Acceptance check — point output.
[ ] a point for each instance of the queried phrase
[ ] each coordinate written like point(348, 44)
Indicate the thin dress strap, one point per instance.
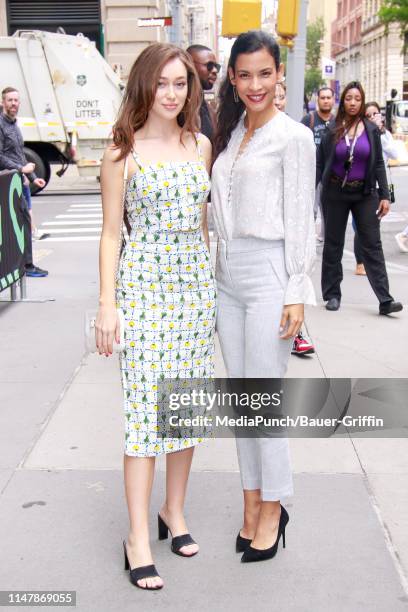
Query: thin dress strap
point(137, 158)
point(199, 150)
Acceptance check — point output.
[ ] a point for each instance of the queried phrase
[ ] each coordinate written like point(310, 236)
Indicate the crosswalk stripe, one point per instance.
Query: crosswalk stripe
point(389, 264)
point(96, 204)
point(84, 210)
point(74, 230)
point(93, 216)
point(73, 239)
point(86, 222)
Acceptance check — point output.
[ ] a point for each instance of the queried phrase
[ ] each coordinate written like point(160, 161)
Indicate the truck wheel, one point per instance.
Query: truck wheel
point(42, 169)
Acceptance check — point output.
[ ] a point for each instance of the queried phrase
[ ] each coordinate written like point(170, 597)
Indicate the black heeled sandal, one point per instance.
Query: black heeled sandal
point(177, 542)
point(242, 543)
point(139, 573)
point(254, 554)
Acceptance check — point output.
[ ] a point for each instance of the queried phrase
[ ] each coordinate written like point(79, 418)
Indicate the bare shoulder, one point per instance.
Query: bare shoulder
point(111, 158)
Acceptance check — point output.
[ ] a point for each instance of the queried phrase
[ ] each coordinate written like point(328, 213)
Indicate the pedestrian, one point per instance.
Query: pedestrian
point(280, 96)
point(301, 344)
point(319, 121)
point(12, 157)
point(165, 286)
point(263, 190)
point(402, 240)
point(390, 151)
point(207, 67)
point(349, 165)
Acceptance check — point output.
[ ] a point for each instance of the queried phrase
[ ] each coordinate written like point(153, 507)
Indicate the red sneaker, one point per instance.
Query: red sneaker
point(301, 346)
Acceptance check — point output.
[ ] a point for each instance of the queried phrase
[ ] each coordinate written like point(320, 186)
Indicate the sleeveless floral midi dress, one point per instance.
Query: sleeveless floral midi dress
point(166, 290)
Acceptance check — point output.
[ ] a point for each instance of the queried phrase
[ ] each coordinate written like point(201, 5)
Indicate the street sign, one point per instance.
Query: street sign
point(328, 68)
point(158, 22)
point(337, 91)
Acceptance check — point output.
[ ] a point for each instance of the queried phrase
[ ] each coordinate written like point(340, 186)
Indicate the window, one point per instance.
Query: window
point(401, 109)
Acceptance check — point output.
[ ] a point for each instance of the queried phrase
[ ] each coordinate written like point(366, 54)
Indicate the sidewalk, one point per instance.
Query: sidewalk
point(62, 509)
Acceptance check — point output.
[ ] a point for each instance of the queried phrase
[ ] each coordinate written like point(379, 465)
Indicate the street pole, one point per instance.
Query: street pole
point(176, 30)
point(295, 70)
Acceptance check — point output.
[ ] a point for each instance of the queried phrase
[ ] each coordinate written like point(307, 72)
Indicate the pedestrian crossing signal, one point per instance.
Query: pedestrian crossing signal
point(240, 16)
point(287, 21)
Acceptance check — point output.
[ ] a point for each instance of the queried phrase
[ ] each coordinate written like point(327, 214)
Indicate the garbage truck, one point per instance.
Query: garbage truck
point(69, 95)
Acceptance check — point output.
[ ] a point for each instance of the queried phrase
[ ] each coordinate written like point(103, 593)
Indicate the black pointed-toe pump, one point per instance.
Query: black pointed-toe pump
point(254, 554)
point(241, 543)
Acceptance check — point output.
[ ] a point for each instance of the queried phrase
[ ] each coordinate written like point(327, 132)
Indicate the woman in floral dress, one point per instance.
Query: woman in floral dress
point(165, 285)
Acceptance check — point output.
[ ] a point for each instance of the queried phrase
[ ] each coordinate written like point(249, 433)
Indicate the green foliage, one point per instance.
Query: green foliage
point(396, 11)
point(315, 33)
point(313, 75)
point(284, 55)
point(313, 80)
point(392, 11)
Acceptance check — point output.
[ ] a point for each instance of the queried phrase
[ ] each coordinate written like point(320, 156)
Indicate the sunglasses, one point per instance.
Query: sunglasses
point(210, 65)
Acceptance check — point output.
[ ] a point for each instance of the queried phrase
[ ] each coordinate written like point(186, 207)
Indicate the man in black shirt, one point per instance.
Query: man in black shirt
point(207, 68)
point(319, 121)
point(12, 157)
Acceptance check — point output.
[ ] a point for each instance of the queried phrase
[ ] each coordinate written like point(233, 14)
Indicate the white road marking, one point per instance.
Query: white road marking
point(74, 230)
point(84, 210)
point(96, 204)
point(73, 239)
point(389, 264)
point(93, 222)
point(93, 216)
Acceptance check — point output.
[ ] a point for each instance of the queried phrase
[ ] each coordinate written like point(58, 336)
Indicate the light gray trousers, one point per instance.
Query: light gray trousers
point(251, 281)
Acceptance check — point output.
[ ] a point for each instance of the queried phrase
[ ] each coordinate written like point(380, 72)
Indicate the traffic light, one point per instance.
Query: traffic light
point(287, 22)
point(239, 16)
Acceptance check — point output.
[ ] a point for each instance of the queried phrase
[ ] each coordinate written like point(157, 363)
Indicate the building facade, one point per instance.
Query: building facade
point(383, 65)
point(346, 41)
point(114, 24)
point(326, 10)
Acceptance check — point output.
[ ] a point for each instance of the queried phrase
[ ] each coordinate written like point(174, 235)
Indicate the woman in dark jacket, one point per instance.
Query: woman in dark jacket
point(349, 166)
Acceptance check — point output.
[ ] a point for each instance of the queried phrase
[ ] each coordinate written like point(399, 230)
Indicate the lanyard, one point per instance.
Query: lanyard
point(351, 151)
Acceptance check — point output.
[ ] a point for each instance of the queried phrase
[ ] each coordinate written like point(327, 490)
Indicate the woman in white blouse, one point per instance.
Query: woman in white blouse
point(263, 185)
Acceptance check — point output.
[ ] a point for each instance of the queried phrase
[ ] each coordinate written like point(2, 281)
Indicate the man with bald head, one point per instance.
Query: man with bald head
point(207, 68)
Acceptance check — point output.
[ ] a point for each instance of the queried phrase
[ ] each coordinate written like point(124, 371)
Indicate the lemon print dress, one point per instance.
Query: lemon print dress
point(166, 290)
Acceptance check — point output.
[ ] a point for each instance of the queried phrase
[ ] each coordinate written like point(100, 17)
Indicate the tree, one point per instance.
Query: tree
point(396, 11)
point(313, 76)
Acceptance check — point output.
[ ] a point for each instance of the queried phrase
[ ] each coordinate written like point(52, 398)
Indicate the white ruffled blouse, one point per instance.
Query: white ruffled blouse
point(268, 192)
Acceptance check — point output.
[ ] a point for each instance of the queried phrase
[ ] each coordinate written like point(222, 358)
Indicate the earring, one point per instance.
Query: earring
point(235, 94)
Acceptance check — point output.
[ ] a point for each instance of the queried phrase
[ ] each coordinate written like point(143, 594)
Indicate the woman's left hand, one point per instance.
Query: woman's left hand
point(383, 208)
point(293, 316)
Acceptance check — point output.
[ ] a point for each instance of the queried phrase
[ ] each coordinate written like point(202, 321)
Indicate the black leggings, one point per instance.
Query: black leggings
point(337, 204)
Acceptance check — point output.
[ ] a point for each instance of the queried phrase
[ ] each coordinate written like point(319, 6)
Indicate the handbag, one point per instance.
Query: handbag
point(90, 315)
point(390, 184)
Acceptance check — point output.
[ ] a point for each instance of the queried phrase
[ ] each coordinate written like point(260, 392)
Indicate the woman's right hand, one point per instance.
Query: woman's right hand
point(106, 329)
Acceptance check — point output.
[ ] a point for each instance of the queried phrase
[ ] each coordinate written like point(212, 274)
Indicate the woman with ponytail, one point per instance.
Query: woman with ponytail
point(350, 164)
point(263, 186)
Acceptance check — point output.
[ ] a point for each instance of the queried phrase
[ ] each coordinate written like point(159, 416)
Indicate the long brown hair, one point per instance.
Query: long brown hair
point(140, 93)
point(343, 122)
